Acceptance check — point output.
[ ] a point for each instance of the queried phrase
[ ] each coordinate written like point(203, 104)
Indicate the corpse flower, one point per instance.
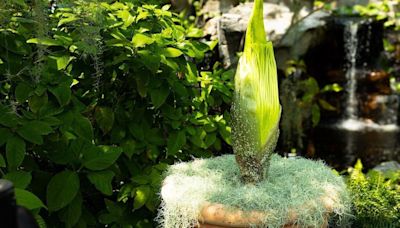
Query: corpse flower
point(256, 109)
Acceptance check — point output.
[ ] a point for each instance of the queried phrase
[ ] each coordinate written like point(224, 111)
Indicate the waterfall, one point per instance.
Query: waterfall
point(351, 120)
point(351, 42)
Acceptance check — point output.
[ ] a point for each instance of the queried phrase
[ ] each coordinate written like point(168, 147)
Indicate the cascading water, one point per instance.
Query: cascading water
point(352, 120)
point(351, 48)
point(351, 109)
point(365, 124)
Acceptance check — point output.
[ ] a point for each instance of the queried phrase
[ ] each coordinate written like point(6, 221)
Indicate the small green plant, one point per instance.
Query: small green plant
point(375, 196)
point(302, 101)
point(256, 110)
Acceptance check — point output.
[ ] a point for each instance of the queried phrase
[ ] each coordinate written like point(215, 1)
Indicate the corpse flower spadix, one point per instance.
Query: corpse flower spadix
point(256, 109)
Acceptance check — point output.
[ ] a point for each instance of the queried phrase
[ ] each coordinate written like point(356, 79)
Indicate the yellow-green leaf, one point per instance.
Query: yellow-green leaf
point(141, 40)
point(171, 52)
point(142, 194)
point(44, 41)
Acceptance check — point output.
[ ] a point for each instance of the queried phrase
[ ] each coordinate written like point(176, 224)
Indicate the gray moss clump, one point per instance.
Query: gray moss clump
point(293, 185)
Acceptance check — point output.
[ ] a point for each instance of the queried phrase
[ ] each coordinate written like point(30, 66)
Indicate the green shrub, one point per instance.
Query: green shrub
point(96, 99)
point(376, 197)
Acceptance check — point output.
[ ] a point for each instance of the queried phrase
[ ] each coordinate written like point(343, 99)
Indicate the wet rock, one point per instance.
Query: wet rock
point(232, 27)
point(387, 166)
point(377, 76)
point(218, 7)
point(381, 109)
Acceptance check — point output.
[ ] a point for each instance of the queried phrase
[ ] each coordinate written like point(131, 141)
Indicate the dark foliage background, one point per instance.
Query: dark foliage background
point(97, 97)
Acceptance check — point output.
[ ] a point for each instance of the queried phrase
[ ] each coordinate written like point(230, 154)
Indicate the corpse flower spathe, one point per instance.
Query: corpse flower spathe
point(256, 108)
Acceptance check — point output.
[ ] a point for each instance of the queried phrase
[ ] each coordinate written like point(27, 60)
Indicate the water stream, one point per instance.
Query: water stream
point(351, 119)
point(351, 56)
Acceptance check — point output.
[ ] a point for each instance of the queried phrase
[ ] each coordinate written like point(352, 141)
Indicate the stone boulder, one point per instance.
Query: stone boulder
point(232, 27)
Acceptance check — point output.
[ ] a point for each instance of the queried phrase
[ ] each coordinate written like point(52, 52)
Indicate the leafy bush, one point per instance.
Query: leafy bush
point(376, 197)
point(96, 99)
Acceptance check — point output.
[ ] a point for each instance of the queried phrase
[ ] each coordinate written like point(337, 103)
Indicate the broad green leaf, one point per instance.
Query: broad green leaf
point(152, 152)
point(103, 158)
point(8, 118)
point(198, 138)
point(171, 52)
point(4, 135)
point(15, 152)
point(82, 127)
point(27, 199)
point(141, 85)
point(176, 141)
point(159, 95)
point(32, 131)
point(194, 32)
point(62, 61)
point(66, 20)
point(62, 92)
point(210, 139)
point(71, 214)
point(16, 44)
point(129, 147)
point(225, 132)
point(105, 118)
point(44, 41)
point(22, 92)
point(140, 40)
point(126, 17)
point(62, 189)
point(142, 194)
point(192, 74)
point(151, 60)
point(21, 179)
point(2, 162)
point(171, 63)
point(30, 135)
point(36, 102)
point(102, 181)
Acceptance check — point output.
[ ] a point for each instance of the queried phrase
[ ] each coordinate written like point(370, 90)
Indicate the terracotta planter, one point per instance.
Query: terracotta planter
point(188, 189)
point(217, 216)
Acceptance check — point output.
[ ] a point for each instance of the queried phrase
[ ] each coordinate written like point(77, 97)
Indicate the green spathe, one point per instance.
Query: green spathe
point(292, 184)
point(256, 109)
